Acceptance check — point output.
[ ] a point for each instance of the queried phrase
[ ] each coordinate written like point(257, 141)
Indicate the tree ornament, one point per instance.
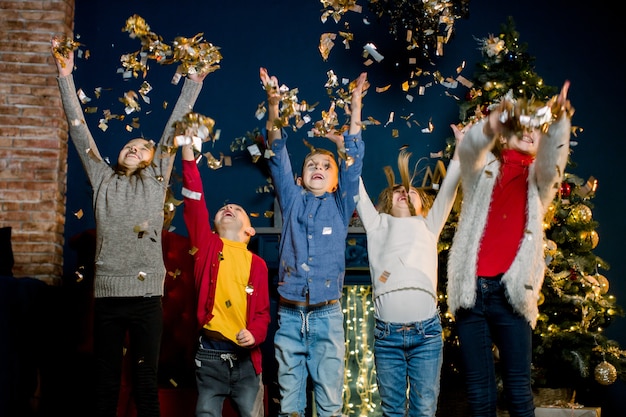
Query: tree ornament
point(603, 282)
point(605, 373)
point(566, 189)
point(595, 285)
point(588, 239)
point(580, 213)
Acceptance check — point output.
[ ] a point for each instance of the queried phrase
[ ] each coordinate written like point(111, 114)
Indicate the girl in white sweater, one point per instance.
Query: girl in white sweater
point(402, 237)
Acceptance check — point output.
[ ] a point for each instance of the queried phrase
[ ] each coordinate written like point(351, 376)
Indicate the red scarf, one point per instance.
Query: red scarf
point(506, 220)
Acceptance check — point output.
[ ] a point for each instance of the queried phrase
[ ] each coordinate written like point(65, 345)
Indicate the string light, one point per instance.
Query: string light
point(360, 373)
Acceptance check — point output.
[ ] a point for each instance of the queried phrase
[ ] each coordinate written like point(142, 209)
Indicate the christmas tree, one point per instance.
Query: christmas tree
point(570, 349)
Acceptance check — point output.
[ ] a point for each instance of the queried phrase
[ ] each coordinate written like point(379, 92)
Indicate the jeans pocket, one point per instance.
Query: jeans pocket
point(433, 329)
point(380, 331)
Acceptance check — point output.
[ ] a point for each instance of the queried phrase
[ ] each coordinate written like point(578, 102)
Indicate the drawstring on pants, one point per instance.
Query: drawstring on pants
point(230, 357)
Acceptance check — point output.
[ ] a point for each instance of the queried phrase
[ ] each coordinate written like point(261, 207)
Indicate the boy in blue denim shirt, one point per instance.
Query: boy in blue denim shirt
point(316, 209)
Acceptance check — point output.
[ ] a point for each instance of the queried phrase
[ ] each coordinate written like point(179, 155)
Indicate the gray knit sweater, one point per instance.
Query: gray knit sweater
point(479, 171)
point(128, 209)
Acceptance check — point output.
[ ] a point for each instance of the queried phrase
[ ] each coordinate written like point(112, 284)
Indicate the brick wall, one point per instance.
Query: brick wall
point(33, 135)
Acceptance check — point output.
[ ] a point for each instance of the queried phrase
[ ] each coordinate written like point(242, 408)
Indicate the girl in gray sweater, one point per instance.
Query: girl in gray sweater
point(128, 202)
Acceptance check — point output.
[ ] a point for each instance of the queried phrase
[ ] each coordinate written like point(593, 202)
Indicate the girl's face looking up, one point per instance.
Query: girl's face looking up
point(136, 154)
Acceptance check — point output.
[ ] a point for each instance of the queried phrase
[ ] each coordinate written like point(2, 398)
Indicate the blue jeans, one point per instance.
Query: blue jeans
point(310, 342)
point(142, 318)
point(408, 353)
point(222, 374)
point(491, 321)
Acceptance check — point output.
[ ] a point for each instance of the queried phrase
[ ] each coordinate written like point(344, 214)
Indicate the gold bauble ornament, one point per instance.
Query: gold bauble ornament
point(488, 86)
point(595, 285)
point(603, 282)
point(588, 239)
point(605, 373)
point(580, 213)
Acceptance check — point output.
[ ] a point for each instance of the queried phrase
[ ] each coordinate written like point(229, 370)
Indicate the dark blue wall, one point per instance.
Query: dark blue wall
point(570, 40)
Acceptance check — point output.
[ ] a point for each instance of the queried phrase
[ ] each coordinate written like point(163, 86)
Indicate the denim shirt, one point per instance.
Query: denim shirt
point(313, 238)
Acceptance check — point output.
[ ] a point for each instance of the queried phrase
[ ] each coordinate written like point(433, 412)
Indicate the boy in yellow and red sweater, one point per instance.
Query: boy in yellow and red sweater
point(233, 309)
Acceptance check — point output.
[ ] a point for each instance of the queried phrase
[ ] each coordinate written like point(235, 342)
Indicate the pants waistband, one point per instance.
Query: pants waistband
point(305, 306)
point(219, 355)
point(213, 335)
point(218, 347)
point(493, 278)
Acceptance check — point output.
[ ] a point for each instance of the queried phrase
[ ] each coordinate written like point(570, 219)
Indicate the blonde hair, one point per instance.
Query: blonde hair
point(385, 198)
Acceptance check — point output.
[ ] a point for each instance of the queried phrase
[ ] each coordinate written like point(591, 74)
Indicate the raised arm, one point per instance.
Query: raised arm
point(356, 103)
point(554, 147)
point(79, 131)
point(444, 201)
point(166, 151)
point(273, 102)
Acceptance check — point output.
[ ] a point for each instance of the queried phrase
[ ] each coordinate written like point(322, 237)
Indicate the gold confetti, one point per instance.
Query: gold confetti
point(82, 96)
point(347, 37)
point(194, 128)
point(93, 155)
point(62, 46)
point(430, 127)
point(326, 44)
point(194, 55)
point(337, 8)
point(136, 26)
point(328, 122)
point(130, 102)
point(133, 66)
point(332, 81)
point(174, 274)
point(212, 162)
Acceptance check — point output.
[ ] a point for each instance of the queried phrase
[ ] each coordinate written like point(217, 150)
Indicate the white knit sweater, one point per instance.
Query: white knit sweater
point(403, 251)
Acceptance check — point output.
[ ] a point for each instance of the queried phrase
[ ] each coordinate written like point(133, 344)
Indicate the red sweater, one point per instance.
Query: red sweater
point(506, 220)
point(209, 245)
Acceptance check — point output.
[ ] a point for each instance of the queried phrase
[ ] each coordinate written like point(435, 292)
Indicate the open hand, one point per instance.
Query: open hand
point(270, 83)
